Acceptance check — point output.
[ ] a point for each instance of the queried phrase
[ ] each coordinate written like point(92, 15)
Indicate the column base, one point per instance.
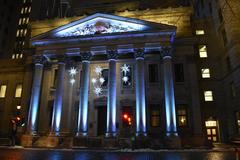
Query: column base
point(110, 142)
point(81, 134)
point(28, 140)
point(110, 135)
point(55, 134)
point(172, 141)
point(141, 134)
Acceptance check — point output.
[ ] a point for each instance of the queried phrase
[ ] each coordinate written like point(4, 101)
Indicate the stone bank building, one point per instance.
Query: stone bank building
point(99, 79)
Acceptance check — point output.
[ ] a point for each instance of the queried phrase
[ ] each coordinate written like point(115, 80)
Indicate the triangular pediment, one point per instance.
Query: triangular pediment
point(99, 23)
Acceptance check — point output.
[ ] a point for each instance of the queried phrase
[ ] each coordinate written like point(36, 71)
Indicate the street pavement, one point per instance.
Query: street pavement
point(18, 153)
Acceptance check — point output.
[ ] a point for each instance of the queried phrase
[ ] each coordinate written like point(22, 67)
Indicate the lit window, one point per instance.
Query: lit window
point(238, 121)
point(20, 21)
point(23, 43)
point(155, 116)
point(24, 1)
point(22, 10)
point(25, 32)
point(29, 9)
point(208, 96)
point(27, 20)
point(200, 32)
point(18, 92)
point(202, 51)
point(26, 9)
point(233, 90)
point(13, 56)
point(17, 56)
point(3, 90)
point(17, 33)
point(181, 116)
point(21, 55)
point(211, 123)
point(23, 22)
point(205, 73)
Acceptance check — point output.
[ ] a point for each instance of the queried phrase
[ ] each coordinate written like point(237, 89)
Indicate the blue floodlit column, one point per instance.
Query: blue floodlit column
point(35, 96)
point(58, 101)
point(82, 125)
point(112, 93)
point(171, 128)
point(141, 129)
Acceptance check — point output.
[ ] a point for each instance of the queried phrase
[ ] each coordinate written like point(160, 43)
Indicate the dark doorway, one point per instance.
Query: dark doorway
point(102, 120)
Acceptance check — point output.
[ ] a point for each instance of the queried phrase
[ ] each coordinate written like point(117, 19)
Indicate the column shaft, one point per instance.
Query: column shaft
point(82, 127)
point(140, 97)
point(35, 97)
point(58, 101)
point(169, 96)
point(111, 103)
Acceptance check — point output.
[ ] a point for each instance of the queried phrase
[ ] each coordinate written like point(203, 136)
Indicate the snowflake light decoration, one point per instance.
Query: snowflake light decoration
point(125, 69)
point(98, 70)
point(94, 80)
point(98, 90)
point(101, 80)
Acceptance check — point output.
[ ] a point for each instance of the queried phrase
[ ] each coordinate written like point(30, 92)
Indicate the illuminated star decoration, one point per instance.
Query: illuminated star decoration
point(72, 73)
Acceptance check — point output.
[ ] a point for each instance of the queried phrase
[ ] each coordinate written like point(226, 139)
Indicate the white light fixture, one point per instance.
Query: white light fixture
point(98, 70)
point(72, 81)
point(101, 80)
point(73, 71)
point(98, 90)
point(19, 107)
point(94, 80)
point(125, 69)
point(125, 79)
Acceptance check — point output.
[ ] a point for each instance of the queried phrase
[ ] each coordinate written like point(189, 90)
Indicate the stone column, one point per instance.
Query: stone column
point(35, 96)
point(112, 93)
point(171, 128)
point(58, 101)
point(141, 129)
point(82, 125)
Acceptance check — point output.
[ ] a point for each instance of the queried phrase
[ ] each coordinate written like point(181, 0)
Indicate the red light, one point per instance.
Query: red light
point(129, 119)
point(18, 118)
point(125, 116)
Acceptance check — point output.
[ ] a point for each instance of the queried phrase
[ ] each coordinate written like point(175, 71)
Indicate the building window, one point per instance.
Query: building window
point(200, 32)
point(29, 9)
point(238, 121)
point(126, 75)
point(18, 91)
point(3, 89)
point(202, 51)
point(182, 116)
point(155, 116)
point(22, 10)
point(20, 21)
point(179, 72)
point(105, 77)
point(210, 7)
point(153, 72)
point(13, 56)
point(205, 73)
point(208, 96)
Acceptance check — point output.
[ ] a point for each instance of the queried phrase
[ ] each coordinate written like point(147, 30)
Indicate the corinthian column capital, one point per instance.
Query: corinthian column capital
point(86, 56)
point(38, 59)
point(112, 54)
point(166, 51)
point(139, 52)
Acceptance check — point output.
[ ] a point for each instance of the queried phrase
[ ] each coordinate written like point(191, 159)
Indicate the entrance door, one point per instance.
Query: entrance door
point(212, 130)
point(102, 120)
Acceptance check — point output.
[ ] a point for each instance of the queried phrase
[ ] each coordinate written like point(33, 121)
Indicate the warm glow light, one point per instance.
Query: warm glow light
point(18, 118)
point(18, 107)
point(125, 116)
point(211, 123)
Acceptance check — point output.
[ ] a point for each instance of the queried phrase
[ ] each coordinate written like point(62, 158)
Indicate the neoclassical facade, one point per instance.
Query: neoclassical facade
point(106, 76)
